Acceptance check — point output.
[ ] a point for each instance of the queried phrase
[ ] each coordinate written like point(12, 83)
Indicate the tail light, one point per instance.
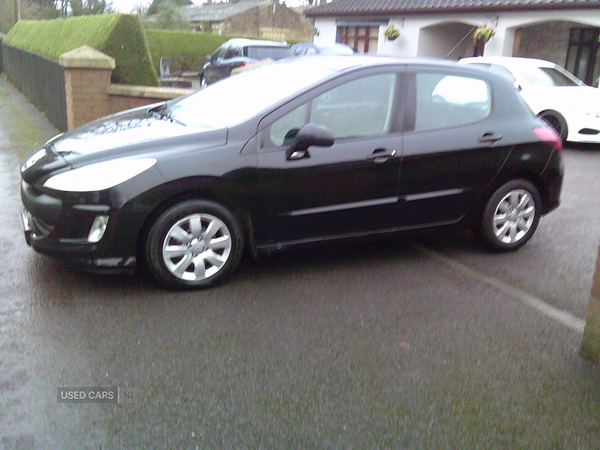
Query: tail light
point(244, 63)
point(549, 136)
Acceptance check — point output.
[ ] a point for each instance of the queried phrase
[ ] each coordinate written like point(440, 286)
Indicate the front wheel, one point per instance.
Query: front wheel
point(194, 244)
point(203, 82)
point(510, 217)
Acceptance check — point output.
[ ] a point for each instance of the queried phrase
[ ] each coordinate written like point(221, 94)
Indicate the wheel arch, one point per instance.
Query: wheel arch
point(537, 181)
point(561, 118)
point(242, 215)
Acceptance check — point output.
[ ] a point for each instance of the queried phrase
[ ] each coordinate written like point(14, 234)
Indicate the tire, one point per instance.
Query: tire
point(194, 244)
point(510, 217)
point(556, 121)
point(203, 82)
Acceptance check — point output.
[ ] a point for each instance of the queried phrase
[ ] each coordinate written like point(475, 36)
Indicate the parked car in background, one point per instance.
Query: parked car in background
point(308, 48)
point(564, 101)
point(290, 154)
point(238, 53)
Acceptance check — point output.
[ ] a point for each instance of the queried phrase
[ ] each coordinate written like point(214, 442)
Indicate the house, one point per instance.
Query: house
point(251, 18)
point(566, 32)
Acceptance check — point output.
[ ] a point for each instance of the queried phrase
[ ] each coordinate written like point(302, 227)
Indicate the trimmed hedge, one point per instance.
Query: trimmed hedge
point(118, 35)
point(186, 50)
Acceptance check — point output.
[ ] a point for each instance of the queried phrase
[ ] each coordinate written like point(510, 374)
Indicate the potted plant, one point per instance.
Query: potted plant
point(483, 34)
point(391, 33)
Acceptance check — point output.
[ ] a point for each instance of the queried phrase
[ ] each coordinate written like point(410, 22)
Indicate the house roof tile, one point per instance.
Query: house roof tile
point(372, 7)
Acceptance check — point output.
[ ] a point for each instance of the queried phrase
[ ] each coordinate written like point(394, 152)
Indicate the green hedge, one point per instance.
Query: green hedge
point(118, 35)
point(186, 50)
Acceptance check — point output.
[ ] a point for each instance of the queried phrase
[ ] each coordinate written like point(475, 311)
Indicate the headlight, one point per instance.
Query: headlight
point(99, 176)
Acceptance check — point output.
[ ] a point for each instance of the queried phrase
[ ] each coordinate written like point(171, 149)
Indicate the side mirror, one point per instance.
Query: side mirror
point(309, 135)
point(208, 58)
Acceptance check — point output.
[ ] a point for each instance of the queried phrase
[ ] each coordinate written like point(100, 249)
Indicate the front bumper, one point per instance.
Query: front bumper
point(69, 229)
point(583, 129)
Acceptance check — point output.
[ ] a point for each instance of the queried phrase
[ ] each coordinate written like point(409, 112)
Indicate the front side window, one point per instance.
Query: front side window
point(359, 108)
point(444, 101)
point(220, 53)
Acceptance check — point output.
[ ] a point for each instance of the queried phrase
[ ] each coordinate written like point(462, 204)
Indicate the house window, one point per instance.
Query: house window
point(362, 39)
point(582, 56)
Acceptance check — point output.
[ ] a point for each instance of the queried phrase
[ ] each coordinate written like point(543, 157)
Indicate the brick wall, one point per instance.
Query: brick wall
point(90, 94)
point(86, 95)
point(264, 21)
point(547, 41)
point(122, 97)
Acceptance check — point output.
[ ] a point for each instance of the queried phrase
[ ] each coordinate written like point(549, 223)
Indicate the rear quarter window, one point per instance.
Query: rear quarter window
point(444, 101)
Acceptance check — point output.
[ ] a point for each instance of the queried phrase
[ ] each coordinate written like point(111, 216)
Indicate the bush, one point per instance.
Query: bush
point(186, 50)
point(118, 35)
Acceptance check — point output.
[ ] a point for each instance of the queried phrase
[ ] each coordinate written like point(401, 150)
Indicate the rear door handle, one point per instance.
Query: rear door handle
point(381, 155)
point(489, 138)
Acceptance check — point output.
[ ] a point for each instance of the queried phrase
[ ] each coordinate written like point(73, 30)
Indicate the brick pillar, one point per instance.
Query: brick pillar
point(87, 77)
point(590, 346)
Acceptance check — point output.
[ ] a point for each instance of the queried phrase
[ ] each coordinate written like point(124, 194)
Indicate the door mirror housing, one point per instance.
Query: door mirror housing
point(309, 135)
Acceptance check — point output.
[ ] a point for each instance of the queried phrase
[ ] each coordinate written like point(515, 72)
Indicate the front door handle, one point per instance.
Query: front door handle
point(381, 155)
point(489, 138)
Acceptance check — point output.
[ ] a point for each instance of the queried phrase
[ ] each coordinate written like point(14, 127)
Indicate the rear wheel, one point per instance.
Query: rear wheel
point(194, 244)
point(556, 121)
point(511, 216)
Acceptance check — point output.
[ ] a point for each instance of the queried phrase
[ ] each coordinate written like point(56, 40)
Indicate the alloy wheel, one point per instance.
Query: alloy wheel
point(514, 216)
point(196, 247)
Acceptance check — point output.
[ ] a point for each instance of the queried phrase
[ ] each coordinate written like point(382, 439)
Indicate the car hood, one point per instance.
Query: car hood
point(127, 134)
point(563, 99)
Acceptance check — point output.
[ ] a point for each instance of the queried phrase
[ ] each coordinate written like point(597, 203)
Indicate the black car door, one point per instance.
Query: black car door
point(347, 188)
point(453, 147)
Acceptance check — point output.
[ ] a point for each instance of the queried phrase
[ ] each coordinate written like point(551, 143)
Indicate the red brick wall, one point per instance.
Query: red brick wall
point(86, 95)
point(121, 103)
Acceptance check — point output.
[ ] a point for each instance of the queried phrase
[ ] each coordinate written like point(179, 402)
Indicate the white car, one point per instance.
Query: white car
point(567, 103)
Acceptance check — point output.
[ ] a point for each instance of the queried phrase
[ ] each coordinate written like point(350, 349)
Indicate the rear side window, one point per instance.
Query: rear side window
point(444, 101)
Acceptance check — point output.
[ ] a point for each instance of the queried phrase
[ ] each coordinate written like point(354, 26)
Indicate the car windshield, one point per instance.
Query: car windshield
point(263, 52)
point(240, 97)
point(549, 77)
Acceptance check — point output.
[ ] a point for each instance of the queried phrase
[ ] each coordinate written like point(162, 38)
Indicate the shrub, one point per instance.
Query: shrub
point(186, 50)
point(118, 35)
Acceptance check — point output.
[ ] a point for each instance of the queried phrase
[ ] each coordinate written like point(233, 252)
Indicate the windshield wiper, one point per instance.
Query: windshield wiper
point(159, 112)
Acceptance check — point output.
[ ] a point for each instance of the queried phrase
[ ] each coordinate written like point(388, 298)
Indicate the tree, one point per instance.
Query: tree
point(169, 17)
point(155, 6)
point(89, 7)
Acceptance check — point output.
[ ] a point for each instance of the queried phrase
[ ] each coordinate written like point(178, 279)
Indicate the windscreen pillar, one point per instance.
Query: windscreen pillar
point(590, 346)
point(87, 78)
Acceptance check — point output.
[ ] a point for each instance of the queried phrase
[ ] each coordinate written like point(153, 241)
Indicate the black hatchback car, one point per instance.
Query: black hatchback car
point(240, 52)
point(293, 153)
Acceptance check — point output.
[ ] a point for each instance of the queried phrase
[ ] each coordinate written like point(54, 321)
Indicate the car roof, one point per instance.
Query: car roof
point(508, 61)
point(257, 42)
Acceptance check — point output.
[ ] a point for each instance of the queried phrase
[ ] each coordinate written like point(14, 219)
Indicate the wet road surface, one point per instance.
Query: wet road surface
point(365, 346)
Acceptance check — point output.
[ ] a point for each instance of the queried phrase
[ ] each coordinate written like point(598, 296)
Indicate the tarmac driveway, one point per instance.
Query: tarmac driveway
point(421, 343)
